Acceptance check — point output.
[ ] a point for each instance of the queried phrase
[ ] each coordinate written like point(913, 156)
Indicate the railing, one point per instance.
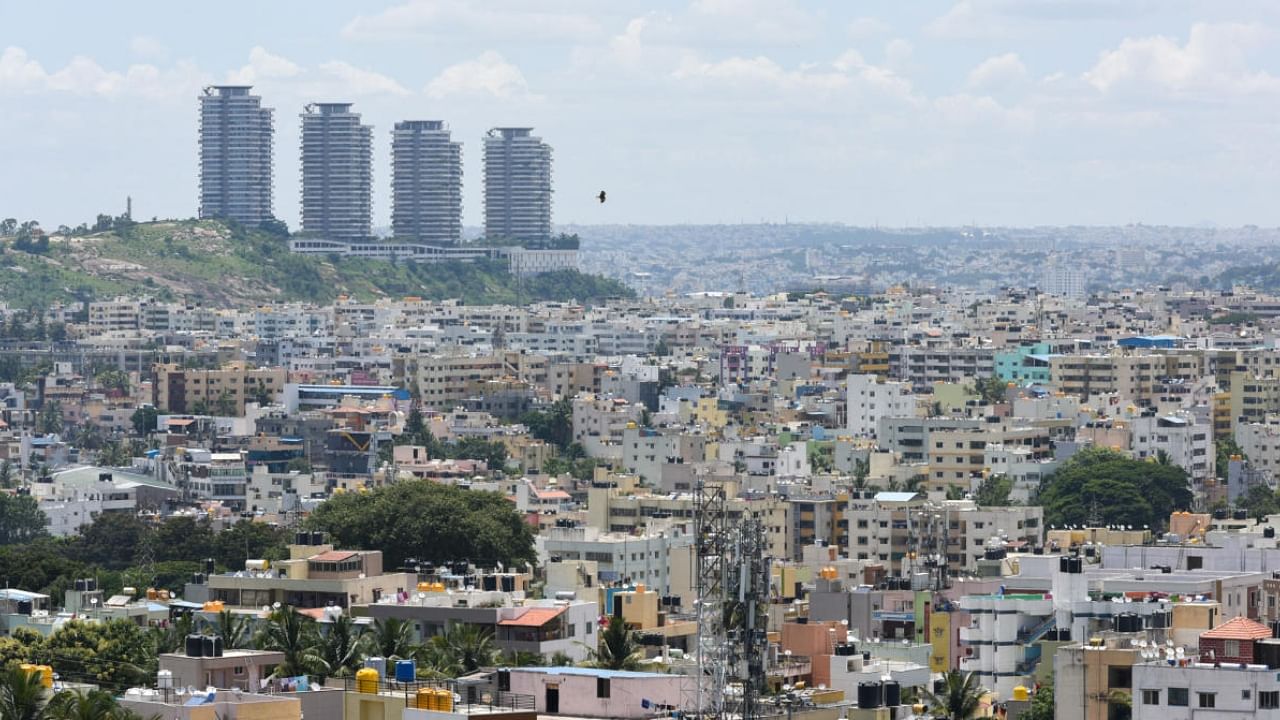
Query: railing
point(465, 696)
point(1038, 631)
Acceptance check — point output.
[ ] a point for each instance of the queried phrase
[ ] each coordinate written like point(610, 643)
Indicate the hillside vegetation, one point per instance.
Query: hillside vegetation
point(207, 262)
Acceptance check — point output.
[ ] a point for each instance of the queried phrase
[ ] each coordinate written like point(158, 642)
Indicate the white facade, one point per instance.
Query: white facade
point(869, 400)
point(640, 558)
point(1187, 444)
point(532, 262)
point(1200, 690)
point(235, 155)
point(426, 182)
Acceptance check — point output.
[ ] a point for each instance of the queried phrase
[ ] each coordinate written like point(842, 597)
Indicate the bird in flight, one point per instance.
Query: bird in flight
point(601, 196)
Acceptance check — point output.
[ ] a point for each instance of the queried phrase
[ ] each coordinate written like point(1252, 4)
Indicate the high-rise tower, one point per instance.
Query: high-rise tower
point(235, 155)
point(337, 175)
point(426, 183)
point(517, 185)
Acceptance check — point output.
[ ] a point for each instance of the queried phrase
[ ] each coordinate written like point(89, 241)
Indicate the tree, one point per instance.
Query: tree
point(337, 654)
point(113, 379)
point(8, 226)
point(554, 426)
point(114, 454)
point(249, 539)
point(960, 698)
point(144, 420)
point(22, 695)
point(617, 649)
point(465, 648)
point(50, 420)
point(292, 633)
point(183, 538)
point(991, 390)
point(234, 629)
point(1224, 450)
point(994, 491)
point(1259, 501)
point(390, 638)
point(21, 519)
point(1116, 489)
point(116, 654)
point(225, 405)
point(6, 474)
point(428, 521)
point(1042, 706)
point(85, 705)
point(112, 540)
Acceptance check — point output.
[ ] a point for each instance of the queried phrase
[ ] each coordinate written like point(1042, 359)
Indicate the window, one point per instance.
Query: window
point(1246, 694)
point(602, 687)
point(1120, 676)
point(1207, 699)
point(1195, 562)
point(1231, 648)
point(1150, 697)
point(1178, 697)
point(1269, 700)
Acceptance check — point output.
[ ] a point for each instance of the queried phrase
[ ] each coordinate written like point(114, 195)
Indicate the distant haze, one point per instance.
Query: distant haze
point(877, 112)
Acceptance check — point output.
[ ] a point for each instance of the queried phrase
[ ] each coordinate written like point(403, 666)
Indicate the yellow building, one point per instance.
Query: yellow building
point(179, 390)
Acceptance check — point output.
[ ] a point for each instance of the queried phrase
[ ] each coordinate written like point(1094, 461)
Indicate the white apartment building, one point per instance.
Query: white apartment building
point(1194, 689)
point(660, 559)
point(870, 400)
point(1187, 444)
point(600, 423)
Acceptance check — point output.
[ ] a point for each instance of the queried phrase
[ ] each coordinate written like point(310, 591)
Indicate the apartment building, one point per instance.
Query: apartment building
point(659, 558)
point(957, 457)
point(600, 422)
point(891, 527)
point(179, 390)
point(869, 399)
point(236, 135)
point(1134, 378)
point(445, 381)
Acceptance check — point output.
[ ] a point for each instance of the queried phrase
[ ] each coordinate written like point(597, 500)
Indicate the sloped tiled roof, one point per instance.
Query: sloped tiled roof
point(1239, 628)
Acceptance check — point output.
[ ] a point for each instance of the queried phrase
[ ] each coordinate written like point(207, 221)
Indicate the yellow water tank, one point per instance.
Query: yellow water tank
point(444, 701)
point(426, 699)
point(639, 588)
point(151, 593)
point(1020, 693)
point(425, 587)
point(367, 681)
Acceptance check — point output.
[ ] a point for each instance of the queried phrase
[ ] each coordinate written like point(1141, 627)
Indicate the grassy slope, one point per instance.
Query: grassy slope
point(203, 262)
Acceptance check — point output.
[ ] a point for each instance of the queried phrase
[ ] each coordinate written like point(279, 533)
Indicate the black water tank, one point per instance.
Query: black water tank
point(1267, 652)
point(1275, 628)
point(1268, 532)
point(302, 538)
point(209, 566)
point(80, 585)
point(24, 607)
point(489, 583)
point(869, 695)
point(892, 694)
point(1240, 515)
point(195, 646)
point(1064, 564)
point(1077, 565)
point(217, 646)
point(90, 584)
point(508, 583)
point(1219, 514)
point(206, 647)
point(317, 538)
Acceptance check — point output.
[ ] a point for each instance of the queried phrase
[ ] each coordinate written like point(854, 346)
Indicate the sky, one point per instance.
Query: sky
point(866, 112)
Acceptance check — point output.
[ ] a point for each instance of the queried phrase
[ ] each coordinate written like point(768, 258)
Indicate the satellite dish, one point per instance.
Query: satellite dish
point(1181, 651)
point(1168, 643)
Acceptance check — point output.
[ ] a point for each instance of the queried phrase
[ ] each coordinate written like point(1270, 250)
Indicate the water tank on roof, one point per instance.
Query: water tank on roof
point(869, 695)
point(195, 646)
point(206, 646)
point(508, 583)
point(406, 671)
point(892, 693)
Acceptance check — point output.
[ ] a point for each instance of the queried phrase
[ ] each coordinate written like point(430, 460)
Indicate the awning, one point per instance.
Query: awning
point(533, 617)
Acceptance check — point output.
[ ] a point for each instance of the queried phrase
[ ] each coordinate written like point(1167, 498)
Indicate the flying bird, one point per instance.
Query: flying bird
point(601, 196)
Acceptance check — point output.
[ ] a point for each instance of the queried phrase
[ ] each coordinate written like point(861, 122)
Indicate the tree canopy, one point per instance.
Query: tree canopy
point(428, 521)
point(21, 519)
point(1104, 486)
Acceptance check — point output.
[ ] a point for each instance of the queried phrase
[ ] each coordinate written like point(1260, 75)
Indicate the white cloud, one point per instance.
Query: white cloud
point(361, 82)
point(766, 21)
point(443, 17)
point(997, 72)
point(489, 74)
point(264, 66)
point(84, 76)
point(148, 48)
point(1213, 61)
point(898, 53)
point(759, 70)
point(866, 27)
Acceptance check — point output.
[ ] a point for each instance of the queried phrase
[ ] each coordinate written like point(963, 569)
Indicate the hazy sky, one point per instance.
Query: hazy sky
point(896, 112)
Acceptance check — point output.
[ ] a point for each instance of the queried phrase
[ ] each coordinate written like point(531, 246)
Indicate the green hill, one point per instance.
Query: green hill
point(208, 262)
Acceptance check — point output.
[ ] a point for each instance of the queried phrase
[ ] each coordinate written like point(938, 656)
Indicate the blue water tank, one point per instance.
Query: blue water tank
point(406, 671)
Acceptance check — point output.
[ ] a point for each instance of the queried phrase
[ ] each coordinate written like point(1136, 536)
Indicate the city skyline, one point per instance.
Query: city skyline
point(995, 112)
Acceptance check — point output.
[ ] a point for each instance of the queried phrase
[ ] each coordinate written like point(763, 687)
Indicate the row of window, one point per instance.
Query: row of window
point(1181, 697)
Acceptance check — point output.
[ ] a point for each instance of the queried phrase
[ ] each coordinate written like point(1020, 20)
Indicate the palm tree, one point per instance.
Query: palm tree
point(390, 638)
point(960, 697)
point(91, 705)
point(337, 652)
point(466, 647)
point(170, 639)
point(233, 628)
point(618, 649)
point(22, 695)
point(292, 633)
point(560, 659)
point(524, 658)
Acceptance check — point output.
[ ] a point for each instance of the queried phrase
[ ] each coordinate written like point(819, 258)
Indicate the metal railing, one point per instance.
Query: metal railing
point(465, 696)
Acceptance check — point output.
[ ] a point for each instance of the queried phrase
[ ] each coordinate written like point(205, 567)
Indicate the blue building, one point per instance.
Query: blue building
point(1029, 363)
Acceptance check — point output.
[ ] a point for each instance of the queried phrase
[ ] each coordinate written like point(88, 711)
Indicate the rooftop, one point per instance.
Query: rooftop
point(1239, 628)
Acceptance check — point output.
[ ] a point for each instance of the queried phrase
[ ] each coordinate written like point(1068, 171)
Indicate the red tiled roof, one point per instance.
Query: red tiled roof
point(1239, 628)
point(337, 556)
point(539, 616)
